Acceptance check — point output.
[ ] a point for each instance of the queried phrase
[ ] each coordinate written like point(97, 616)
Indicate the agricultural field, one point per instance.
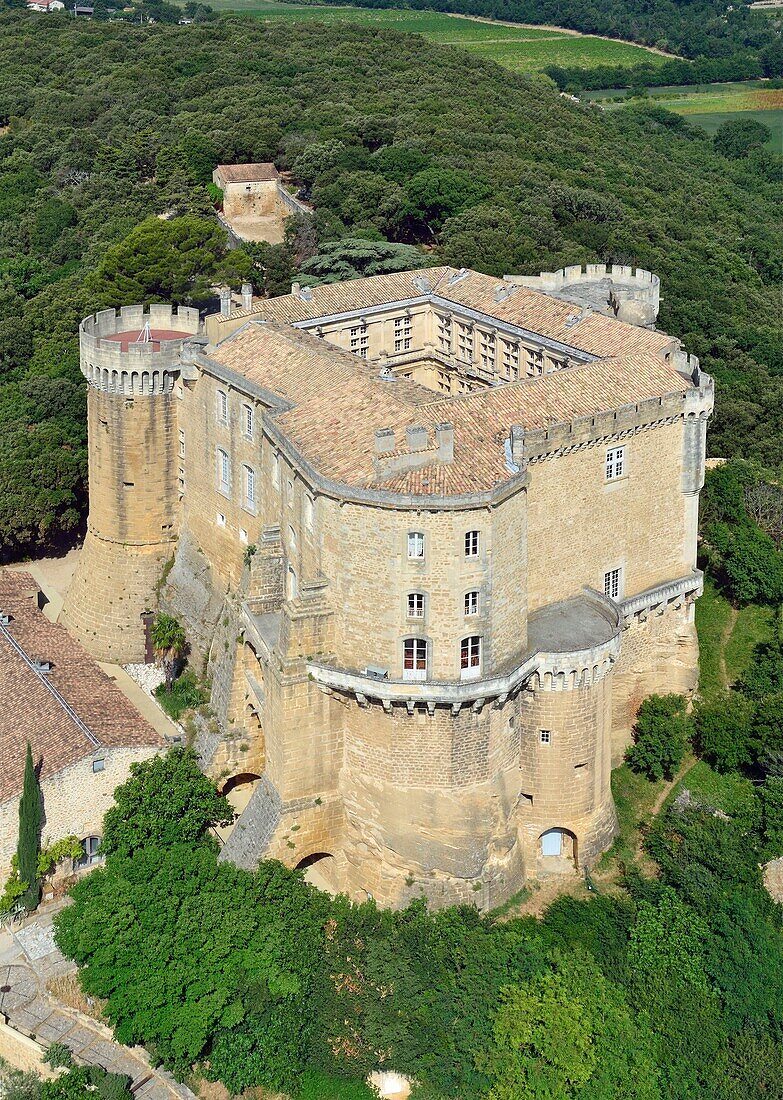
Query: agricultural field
point(524, 49)
point(710, 105)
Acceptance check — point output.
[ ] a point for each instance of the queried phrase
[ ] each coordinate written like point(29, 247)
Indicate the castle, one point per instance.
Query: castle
point(434, 535)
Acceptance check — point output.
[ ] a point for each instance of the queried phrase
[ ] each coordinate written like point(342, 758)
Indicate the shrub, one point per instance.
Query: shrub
point(723, 732)
point(185, 693)
point(660, 735)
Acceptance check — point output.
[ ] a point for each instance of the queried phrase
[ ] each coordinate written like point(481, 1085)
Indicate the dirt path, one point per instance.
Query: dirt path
point(655, 809)
point(728, 630)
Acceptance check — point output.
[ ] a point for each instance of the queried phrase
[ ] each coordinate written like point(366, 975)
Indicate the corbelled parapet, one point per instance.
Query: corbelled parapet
point(135, 351)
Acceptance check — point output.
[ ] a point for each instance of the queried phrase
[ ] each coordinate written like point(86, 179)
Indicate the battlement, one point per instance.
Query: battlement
point(135, 351)
point(525, 445)
point(619, 290)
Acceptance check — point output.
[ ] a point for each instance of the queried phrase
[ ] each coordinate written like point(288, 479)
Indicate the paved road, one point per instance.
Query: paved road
point(28, 960)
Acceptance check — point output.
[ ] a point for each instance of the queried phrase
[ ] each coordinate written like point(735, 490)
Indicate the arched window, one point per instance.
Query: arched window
point(309, 511)
point(470, 657)
point(416, 545)
point(415, 605)
point(90, 850)
point(472, 602)
point(222, 406)
point(247, 420)
point(276, 469)
point(414, 659)
point(249, 478)
point(291, 539)
point(292, 586)
point(223, 471)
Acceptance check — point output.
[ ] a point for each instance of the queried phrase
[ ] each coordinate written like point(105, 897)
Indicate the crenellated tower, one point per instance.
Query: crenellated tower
point(130, 359)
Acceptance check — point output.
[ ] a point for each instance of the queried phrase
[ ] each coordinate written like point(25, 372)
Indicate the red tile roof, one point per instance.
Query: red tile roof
point(248, 173)
point(64, 712)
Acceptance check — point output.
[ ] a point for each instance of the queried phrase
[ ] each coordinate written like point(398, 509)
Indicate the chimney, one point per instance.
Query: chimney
point(517, 440)
point(384, 441)
point(225, 301)
point(295, 287)
point(444, 438)
point(417, 438)
point(247, 295)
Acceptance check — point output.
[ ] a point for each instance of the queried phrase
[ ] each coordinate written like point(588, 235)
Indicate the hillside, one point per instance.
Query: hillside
point(108, 124)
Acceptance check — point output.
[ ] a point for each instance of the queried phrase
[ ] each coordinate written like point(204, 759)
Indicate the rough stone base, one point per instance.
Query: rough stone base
point(113, 585)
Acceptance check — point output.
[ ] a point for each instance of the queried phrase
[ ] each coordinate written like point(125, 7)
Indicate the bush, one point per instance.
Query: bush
point(660, 735)
point(186, 693)
point(723, 732)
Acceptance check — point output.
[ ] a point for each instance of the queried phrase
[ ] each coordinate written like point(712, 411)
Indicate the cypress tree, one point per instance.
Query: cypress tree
point(29, 833)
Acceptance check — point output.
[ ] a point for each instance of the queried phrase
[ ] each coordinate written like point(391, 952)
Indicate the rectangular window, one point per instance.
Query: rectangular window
point(243, 535)
point(247, 420)
point(615, 463)
point(471, 544)
point(545, 737)
point(415, 544)
point(220, 519)
point(289, 492)
point(276, 470)
point(309, 511)
point(415, 605)
point(414, 659)
point(444, 333)
point(181, 443)
point(471, 603)
point(98, 765)
point(250, 487)
point(535, 362)
point(224, 471)
point(222, 406)
point(613, 584)
point(511, 360)
point(465, 343)
point(402, 334)
point(360, 341)
point(488, 351)
point(470, 657)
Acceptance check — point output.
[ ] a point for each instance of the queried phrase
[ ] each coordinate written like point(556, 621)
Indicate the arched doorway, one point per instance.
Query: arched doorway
point(559, 845)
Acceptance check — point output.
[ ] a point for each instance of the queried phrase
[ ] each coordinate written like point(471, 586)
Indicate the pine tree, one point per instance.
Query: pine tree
point(29, 833)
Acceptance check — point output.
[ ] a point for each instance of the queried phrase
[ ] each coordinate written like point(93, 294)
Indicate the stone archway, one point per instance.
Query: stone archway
point(319, 870)
point(239, 780)
point(559, 847)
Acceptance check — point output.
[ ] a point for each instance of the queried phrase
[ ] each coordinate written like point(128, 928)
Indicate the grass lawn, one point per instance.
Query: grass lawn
point(713, 613)
point(634, 799)
point(525, 49)
point(733, 794)
point(726, 648)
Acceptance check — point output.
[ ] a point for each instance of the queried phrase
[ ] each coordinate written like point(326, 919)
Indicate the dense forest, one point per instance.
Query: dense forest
point(108, 137)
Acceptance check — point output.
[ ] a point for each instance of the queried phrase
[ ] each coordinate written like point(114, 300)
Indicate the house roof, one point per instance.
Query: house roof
point(67, 714)
point(338, 401)
point(542, 314)
point(248, 173)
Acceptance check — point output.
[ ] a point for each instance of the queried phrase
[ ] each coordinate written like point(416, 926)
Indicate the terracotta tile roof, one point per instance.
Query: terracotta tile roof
point(528, 309)
point(248, 173)
point(340, 401)
point(31, 712)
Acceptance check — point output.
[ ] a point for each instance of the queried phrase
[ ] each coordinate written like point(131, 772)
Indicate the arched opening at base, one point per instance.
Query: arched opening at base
point(319, 870)
point(559, 845)
point(242, 779)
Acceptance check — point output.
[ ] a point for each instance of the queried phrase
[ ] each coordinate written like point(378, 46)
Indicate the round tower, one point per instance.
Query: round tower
point(130, 359)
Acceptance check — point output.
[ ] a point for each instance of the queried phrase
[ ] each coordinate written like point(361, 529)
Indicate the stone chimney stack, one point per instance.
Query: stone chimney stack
point(225, 301)
point(384, 441)
point(247, 295)
point(417, 438)
point(444, 439)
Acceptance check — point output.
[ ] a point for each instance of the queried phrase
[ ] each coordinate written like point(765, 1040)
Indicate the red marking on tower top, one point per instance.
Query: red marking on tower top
point(156, 336)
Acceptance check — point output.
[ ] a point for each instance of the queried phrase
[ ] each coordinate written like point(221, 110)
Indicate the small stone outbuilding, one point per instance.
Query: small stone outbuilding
point(83, 731)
